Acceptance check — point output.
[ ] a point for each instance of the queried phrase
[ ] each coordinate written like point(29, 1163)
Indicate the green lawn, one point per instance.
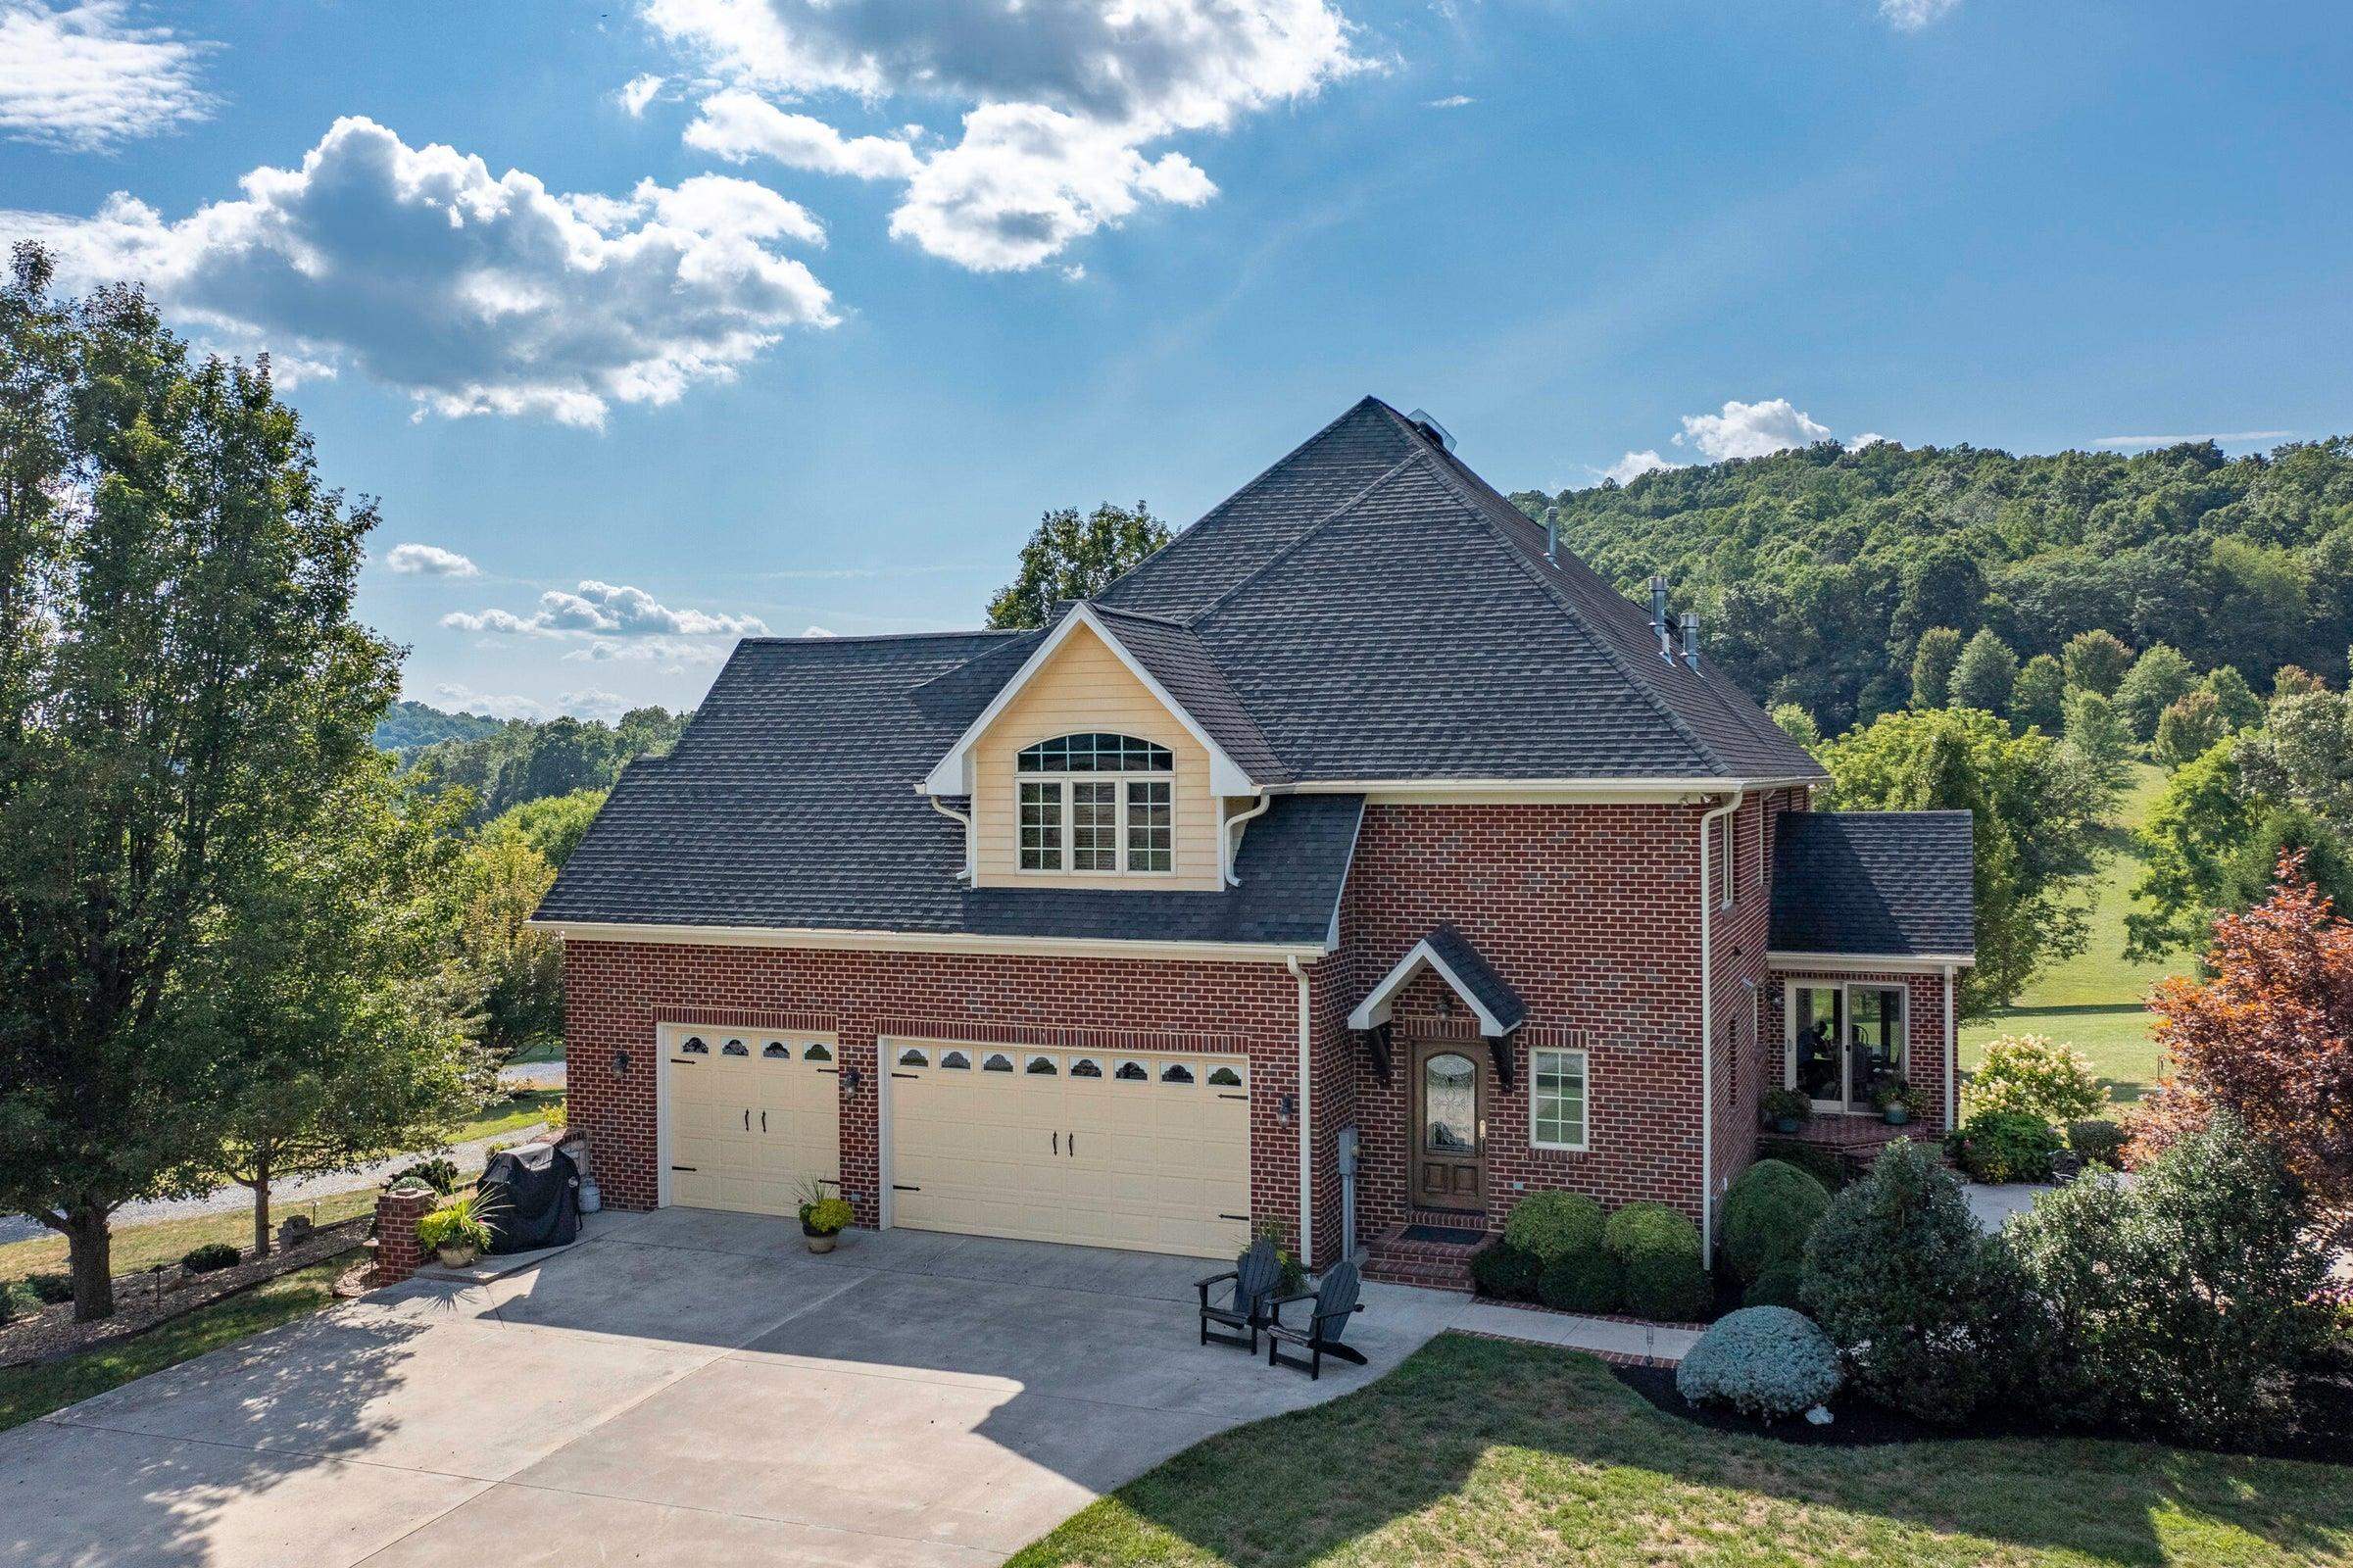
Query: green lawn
point(162, 1240)
point(525, 1107)
point(28, 1393)
point(1504, 1455)
point(2094, 1001)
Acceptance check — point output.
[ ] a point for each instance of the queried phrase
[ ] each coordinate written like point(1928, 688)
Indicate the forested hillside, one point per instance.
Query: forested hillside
point(1817, 569)
point(520, 762)
point(405, 726)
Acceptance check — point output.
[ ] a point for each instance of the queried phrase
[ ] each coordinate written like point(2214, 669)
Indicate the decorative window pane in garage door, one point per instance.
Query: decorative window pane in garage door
point(745, 1132)
point(1130, 1154)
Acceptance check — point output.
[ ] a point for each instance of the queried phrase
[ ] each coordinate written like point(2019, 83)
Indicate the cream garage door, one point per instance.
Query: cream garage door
point(753, 1117)
point(1147, 1153)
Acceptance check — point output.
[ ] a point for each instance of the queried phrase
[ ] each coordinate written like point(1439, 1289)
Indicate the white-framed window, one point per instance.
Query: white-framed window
point(1097, 803)
point(1559, 1099)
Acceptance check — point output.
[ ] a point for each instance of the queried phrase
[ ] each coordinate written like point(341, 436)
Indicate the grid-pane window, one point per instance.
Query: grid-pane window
point(1094, 826)
point(1041, 827)
point(1095, 754)
point(1558, 1119)
point(1150, 826)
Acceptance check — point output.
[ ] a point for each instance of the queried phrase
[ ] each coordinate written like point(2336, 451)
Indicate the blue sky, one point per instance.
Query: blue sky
point(807, 331)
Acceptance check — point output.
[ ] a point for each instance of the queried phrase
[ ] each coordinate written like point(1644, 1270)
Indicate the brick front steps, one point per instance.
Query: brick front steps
point(1442, 1265)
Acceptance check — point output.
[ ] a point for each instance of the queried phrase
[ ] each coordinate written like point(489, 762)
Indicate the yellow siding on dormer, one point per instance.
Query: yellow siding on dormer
point(1083, 686)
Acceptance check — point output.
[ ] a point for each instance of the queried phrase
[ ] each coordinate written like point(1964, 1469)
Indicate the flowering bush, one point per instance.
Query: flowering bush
point(1761, 1361)
point(2035, 1076)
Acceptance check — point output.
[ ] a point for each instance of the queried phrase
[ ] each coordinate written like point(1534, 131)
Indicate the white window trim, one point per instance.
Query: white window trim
point(1846, 986)
point(1585, 1073)
point(1067, 828)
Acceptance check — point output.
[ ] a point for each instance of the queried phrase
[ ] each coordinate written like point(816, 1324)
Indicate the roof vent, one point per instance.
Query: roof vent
point(1438, 431)
point(1661, 623)
point(1690, 638)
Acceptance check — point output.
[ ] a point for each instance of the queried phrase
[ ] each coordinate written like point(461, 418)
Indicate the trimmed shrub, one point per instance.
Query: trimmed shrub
point(2004, 1145)
point(2100, 1143)
point(1762, 1360)
point(2183, 1305)
point(1501, 1270)
point(441, 1175)
point(1585, 1280)
point(1648, 1227)
point(211, 1258)
point(1813, 1158)
point(1900, 1278)
point(50, 1289)
point(1768, 1213)
point(1784, 1285)
point(2035, 1076)
point(1669, 1287)
point(1552, 1225)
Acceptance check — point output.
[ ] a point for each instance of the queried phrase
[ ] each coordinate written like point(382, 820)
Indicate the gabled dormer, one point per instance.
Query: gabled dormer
point(1107, 760)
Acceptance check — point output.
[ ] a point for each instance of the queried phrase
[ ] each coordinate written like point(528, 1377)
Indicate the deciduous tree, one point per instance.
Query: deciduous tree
point(1072, 555)
point(1986, 675)
point(2158, 679)
point(2190, 728)
point(2039, 699)
point(2097, 660)
point(1933, 665)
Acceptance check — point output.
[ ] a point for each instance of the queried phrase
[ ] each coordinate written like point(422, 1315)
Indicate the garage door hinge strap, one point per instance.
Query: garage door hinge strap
point(685, 1167)
point(899, 1188)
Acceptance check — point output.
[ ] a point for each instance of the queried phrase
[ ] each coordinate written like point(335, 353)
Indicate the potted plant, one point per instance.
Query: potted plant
point(457, 1232)
point(1786, 1109)
point(822, 1218)
point(1898, 1099)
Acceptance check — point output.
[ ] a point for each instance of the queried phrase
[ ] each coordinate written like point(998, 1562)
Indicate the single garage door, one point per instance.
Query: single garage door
point(1148, 1152)
point(753, 1118)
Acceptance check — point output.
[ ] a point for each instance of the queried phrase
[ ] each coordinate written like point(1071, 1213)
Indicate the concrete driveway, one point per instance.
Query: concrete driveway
point(683, 1388)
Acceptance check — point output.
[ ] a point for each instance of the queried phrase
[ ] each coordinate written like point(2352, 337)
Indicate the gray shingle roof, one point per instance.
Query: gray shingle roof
point(1492, 992)
point(1883, 883)
point(1187, 672)
point(790, 803)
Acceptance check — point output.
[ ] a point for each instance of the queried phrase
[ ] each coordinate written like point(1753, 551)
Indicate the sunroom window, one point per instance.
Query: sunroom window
point(1097, 803)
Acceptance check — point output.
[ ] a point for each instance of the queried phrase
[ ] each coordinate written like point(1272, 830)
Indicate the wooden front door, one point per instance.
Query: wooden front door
point(1449, 1129)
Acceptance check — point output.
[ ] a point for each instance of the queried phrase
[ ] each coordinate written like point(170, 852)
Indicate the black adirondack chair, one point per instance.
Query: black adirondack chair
point(1336, 1303)
point(1255, 1275)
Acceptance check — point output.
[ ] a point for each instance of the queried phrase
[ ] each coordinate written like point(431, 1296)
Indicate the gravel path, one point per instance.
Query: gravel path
point(284, 1196)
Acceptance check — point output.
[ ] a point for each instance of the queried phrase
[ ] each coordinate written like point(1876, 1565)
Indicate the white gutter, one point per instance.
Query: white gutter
point(1227, 845)
point(1708, 1028)
point(954, 815)
point(1951, 1067)
point(835, 939)
point(1306, 1121)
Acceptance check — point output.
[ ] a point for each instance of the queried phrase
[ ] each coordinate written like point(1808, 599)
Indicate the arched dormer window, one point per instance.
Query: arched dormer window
point(1097, 803)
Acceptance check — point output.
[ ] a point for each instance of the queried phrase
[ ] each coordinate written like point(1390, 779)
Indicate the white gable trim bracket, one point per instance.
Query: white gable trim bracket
point(1373, 1011)
point(953, 774)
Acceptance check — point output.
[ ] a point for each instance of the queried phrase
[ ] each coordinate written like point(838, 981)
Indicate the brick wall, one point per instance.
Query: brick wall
point(397, 1252)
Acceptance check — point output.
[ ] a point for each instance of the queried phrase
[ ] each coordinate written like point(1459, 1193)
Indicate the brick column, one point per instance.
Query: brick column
point(396, 1255)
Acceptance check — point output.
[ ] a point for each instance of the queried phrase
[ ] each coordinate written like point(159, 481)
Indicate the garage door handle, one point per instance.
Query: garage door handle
point(747, 1118)
point(1074, 1145)
point(1058, 1142)
point(763, 1122)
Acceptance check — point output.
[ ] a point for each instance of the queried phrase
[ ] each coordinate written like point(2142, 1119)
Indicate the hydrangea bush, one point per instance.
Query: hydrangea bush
point(2035, 1076)
point(1761, 1361)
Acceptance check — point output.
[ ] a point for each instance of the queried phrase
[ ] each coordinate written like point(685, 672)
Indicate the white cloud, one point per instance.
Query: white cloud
point(1909, 16)
point(88, 78)
point(639, 91)
point(736, 126)
point(1869, 438)
point(1634, 465)
point(1063, 100)
point(605, 609)
point(428, 560)
point(677, 652)
point(2219, 437)
point(1751, 429)
point(473, 293)
point(604, 707)
point(1455, 100)
point(817, 631)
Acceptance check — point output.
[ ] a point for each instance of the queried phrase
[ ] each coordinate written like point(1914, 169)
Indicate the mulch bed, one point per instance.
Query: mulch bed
point(147, 1299)
point(2327, 1435)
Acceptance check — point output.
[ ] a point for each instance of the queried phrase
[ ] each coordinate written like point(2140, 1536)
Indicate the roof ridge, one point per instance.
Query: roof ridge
point(888, 636)
point(1559, 597)
point(1133, 614)
point(1310, 531)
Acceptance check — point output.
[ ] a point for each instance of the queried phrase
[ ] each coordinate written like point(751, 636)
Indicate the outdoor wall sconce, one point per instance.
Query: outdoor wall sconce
point(620, 1064)
point(1286, 1109)
point(852, 1078)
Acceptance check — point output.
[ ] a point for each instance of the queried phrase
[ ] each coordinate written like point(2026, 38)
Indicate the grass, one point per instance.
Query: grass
point(539, 1050)
point(1478, 1451)
point(28, 1393)
point(2094, 1001)
point(525, 1107)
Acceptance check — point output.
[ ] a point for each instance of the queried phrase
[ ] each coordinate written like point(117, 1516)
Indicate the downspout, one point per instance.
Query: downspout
point(1951, 1067)
point(954, 815)
point(1707, 1025)
point(1306, 1120)
point(1230, 823)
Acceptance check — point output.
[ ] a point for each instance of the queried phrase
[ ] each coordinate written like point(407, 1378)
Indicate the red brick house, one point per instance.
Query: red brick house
point(1359, 860)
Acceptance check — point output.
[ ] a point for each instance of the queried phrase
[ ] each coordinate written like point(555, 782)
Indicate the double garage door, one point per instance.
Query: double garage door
point(753, 1118)
point(1147, 1153)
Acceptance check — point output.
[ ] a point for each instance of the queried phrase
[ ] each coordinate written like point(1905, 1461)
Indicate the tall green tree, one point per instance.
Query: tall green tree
point(1986, 675)
point(2036, 821)
point(2233, 699)
point(1798, 725)
point(2158, 679)
point(517, 973)
point(2189, 728)
point(2098, 738)
point(2039, 699)
point(553, 826)
point(2211, 847)
point(1075, 555)
point(2097, 660)
point(1933, 666)
point(331, 1015)
point(183, 684)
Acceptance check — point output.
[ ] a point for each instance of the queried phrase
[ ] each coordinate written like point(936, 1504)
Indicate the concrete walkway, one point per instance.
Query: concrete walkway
point(685, 1387)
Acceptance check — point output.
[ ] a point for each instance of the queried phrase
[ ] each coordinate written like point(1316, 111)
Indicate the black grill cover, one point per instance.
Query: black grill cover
point(532, 1198)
